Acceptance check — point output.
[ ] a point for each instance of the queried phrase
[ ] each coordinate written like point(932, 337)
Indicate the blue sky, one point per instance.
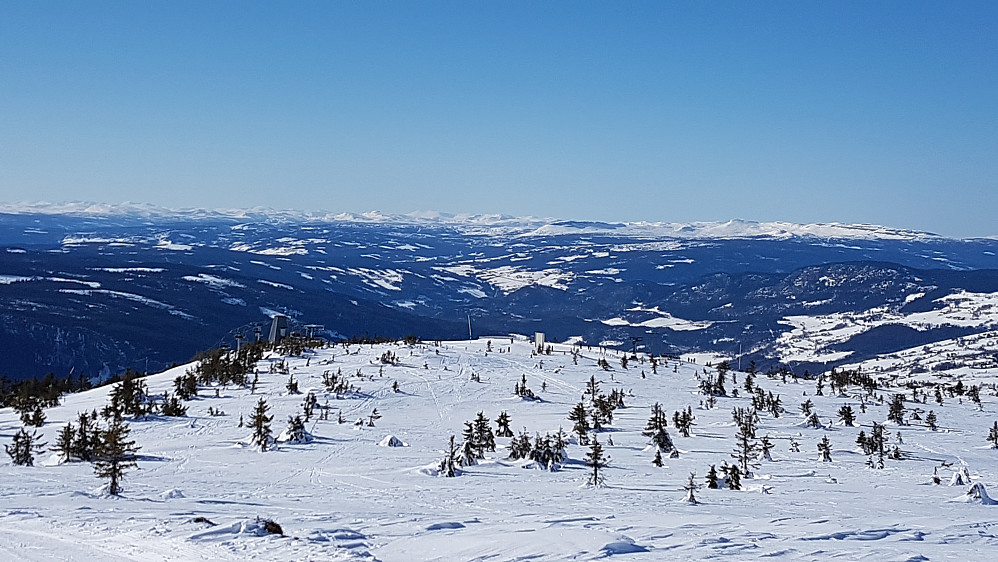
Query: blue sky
point(879, 112)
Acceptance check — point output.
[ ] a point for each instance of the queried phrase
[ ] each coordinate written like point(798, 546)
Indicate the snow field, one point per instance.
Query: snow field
point(342, 496)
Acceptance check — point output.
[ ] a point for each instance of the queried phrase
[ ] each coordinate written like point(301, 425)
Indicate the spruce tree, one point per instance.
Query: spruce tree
point(115, 454)
point(448, 466)
point(806, 407)
point(895, 412)
point(36, 417)
point(581, 419)
point(993, 436)
point(825, 450)
point(130, 397)
point(560, 446)
point(485, 440)
point(597, 462)
point(308, 406)
point(863, 441)
point(469, 448)
point(296, 430)
point(690, 487)
point(502, 422)
point(846, 415)
point(745, 449)
point(260, 422)
point(172, 406)
point(734, 478)
point(657, 461)
point(974, 393)
point(712, 478)
point(683, 420)
point(64, 443)
point(186, 386)
point(87, 437)
point(931, 421)
point(656, 429)
point(469, 453)
point(766, 448)
point(23, 448)
point(775, 405)
point(519, 446)
point(592, 388)
point(657, 420)
point(877, 440)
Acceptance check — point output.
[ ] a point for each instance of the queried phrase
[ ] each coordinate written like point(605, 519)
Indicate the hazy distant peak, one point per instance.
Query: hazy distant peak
point(492, 223)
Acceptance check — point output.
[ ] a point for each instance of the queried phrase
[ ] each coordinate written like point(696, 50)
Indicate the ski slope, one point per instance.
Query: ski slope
point(345, 497)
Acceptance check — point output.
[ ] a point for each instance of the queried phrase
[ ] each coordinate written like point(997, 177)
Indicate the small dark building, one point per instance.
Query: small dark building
point(278, 328)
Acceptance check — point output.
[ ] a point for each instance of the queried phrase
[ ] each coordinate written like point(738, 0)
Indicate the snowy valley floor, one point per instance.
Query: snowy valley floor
point(343, 496)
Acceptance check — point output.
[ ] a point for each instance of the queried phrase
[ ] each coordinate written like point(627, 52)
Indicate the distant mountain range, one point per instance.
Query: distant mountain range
point(94, 289)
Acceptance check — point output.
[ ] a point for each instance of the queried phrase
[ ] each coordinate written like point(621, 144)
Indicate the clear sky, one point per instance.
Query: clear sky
point(879, 112)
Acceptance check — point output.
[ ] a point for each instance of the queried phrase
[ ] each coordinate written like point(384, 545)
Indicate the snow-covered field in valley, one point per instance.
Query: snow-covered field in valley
point(202, 492)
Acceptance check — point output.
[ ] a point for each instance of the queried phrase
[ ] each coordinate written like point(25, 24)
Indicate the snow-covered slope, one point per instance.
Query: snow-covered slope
point(343, 496)
point(814, 338)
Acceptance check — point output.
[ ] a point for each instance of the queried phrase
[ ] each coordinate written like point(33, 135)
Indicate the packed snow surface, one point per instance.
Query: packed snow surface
point(201, 492)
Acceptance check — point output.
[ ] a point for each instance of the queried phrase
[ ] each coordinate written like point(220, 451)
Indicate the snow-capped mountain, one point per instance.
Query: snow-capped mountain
point(93, 288)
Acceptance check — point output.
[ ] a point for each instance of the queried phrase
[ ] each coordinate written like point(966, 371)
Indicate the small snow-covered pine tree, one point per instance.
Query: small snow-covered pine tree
point(690, 487)
point(23, 448)
point(36, 418)
point(519, 446)
point(485, 440)
point(896, 409)
point(448, 466)
point(847, 415)
point(469, 453)
point(64, 443)
point(597, 461)
point(260, 422)
point(115, 454)
point(825, 450)
point(172, 406)
point(734, 478)
point(296, 430)
point(657, 461)
point(87, 437)
point(581, 419)
point(745, 449)
point(766, 448)
point(502, 422)
point(712, 478)
point(806, 408)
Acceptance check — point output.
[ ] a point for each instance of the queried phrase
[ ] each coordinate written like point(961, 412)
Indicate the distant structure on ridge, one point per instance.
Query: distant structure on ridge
point(278, 328)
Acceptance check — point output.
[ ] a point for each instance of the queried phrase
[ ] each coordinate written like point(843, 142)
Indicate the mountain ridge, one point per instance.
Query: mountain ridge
point(522, 226)
point(127, 289)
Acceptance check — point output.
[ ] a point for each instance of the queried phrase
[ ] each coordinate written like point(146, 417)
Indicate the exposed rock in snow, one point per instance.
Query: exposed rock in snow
point(960, 477)
point(392, 441)
point(170, 494)
point(976, 494)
